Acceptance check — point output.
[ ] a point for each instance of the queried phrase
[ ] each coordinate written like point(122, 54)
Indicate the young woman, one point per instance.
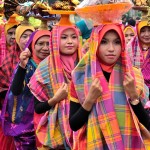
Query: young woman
point(18, 107)
point(50, 85)
point(104, 87)
point(129, 32)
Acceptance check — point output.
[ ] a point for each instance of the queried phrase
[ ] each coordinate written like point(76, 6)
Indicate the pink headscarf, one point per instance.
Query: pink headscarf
point(38, 35)
point(109, 68)
point(68, 61)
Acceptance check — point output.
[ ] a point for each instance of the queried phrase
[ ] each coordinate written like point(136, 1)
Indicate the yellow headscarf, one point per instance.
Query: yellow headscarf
point(20, 30)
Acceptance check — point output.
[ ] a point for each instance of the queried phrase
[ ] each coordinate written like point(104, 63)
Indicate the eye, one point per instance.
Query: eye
point(103, 41)
point(74, 36)
point(118, 42)
point(63, 37)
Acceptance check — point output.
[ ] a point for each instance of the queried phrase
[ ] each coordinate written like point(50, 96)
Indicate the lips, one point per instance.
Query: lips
point(110, 56)
point(69, 47)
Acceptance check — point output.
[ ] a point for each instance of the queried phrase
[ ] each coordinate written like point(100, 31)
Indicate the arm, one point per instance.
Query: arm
point(141, 114)
point(17, 84)
point(78, 115)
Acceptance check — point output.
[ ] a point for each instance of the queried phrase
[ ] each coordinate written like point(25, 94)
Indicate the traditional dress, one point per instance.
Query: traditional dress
point(53, 130)
point(112, 124)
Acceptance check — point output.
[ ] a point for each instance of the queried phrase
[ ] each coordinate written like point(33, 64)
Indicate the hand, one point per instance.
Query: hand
point(24, 57)
point(129, 86)
point(61, 94)
point(94, 92)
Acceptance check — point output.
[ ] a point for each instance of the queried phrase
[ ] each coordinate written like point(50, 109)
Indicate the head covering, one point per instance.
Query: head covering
point(84, 29)
point(37, 35)
point(131, 28)
point(20, 30)
point(68, 61)
point(11, 23)
point(142, 24)
point(113, 102)
point(45, 82)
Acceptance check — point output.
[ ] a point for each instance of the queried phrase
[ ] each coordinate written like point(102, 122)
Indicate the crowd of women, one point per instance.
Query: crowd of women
point(60, 93)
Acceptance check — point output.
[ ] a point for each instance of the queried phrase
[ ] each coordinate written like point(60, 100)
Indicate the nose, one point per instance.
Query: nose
point(69, 40)
point(13, 35)
point(147, 33)
point(46, 46)
point(111, 47)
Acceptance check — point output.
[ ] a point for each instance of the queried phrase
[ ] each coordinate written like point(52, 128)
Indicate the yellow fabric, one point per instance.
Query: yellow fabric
point(141, 24)
point(20, 30)
point(128, 27)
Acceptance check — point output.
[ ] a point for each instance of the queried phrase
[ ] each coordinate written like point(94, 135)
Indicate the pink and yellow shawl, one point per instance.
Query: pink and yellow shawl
point(48, 77)
point(112, 123)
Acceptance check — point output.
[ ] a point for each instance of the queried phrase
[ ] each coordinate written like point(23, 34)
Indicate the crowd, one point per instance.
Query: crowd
point(75, 87)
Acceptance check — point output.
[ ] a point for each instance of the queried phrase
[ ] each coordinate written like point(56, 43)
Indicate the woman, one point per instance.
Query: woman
point(50, 84)
point(103, 92)
point(140, 45)
point(23, 33)
point(129, 33)
point(19, 124)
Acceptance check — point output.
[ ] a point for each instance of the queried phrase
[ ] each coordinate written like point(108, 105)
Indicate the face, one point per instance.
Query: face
point(42, 47)
point(10, 36)
point(68, 42)
point(129, 34)
point(24, 39)
point(110, 48)
point(145, 35)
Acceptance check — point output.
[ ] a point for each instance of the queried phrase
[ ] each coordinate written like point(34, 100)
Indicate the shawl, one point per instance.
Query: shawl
point(2, 45)
point(6, 69)
point(48, 77)
point(111, 123)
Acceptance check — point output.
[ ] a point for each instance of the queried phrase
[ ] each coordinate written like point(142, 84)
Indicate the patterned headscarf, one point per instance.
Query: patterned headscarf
point(111, 121)
point(47, 79)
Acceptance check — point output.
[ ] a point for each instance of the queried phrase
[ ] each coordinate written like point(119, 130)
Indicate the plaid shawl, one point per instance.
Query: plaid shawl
point(2, 45)
point(135, 52)
point(44, 83)
point(7, 68)
point(111, 123)
point(146, 69)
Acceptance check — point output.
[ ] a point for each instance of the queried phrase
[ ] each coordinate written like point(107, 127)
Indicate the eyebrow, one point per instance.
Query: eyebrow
point(67, 35)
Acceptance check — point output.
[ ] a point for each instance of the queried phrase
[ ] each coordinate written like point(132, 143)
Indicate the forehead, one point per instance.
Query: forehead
point(44, 38)
point(11, 30)
point(27, 32)
point(110, 34)
point(145, 28)
point(69, 31)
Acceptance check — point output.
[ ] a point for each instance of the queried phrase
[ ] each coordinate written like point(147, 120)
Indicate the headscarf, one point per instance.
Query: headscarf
point(85, 31)
point(20, 30)
point(109, 68)
point(111, 121)
point(46, 80)
point(38, 35)
point(131, 28)
point(68, 61)
point(11, 23)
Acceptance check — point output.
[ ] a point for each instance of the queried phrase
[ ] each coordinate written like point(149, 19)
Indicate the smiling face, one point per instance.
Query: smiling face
point(41, 47)
point(145, 35)
point(110, 48)
point(68, 42)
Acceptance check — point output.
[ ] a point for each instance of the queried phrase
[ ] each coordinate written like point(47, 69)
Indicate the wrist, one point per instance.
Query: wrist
point(22, 66)
point(134, 101)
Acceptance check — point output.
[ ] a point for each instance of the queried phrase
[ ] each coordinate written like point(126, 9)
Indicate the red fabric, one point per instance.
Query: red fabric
point(7, 68)
point(6, 142)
